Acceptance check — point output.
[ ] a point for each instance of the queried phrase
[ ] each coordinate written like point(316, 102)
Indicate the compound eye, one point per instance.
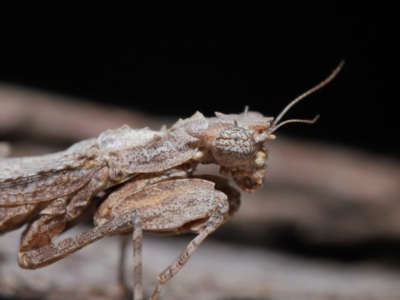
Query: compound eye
point(236, 142)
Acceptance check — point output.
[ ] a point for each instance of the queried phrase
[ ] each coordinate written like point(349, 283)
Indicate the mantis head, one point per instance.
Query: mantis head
point(236, 142)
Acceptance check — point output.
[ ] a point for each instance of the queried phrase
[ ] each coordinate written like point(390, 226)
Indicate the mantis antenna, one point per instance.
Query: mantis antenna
point(275, 124)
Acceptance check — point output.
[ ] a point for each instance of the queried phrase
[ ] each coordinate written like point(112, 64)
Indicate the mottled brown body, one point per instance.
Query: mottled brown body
point(156, 191)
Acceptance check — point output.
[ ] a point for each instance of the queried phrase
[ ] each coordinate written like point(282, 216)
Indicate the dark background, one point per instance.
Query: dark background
point(173, 58)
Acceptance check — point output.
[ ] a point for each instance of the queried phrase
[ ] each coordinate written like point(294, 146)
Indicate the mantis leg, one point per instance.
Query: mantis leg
point(121, 263)
point(137, 257)
point(215, 220)
point(52, 219)
point(198, 205)
point(51, 253)
point(137, 260)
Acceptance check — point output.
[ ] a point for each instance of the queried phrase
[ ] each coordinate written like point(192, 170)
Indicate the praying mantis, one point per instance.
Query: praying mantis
point(149, 184)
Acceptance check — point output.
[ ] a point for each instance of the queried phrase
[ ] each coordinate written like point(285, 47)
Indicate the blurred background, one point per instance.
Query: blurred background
point(325, 226)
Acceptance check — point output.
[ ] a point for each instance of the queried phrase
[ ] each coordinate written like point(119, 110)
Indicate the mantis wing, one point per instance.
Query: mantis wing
point(29, 180)
point(146, 151)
